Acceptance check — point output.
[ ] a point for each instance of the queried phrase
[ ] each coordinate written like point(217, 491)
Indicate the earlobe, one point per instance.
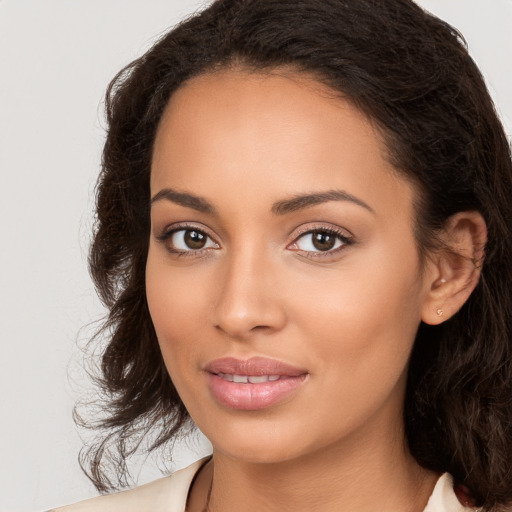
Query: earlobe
point(455, 269)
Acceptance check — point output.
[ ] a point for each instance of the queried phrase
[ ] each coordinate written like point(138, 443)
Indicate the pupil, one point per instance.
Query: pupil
point(195, 239)
point(323, 241)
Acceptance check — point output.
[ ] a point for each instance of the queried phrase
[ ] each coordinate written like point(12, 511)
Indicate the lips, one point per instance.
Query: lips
point(254, 383)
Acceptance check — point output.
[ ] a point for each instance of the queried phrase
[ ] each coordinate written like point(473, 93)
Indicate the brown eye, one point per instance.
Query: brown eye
point(189, 240)
point(195, 239)
point(323, 241)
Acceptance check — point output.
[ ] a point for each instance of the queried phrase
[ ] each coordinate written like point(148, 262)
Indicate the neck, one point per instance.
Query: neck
point(382, 476)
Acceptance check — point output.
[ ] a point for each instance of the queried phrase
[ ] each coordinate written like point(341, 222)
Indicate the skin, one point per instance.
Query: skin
point(245, 142)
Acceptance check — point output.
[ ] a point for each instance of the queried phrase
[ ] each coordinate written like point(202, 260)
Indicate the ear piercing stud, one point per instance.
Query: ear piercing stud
point(439, 312)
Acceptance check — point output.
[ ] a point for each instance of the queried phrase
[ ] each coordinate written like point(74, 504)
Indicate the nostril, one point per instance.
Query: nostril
point(243, 327)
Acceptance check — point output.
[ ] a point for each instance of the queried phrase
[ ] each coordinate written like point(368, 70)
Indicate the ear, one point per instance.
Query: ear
point(453, 271)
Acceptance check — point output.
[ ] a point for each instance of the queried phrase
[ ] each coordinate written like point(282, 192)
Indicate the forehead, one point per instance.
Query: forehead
point(273, 134)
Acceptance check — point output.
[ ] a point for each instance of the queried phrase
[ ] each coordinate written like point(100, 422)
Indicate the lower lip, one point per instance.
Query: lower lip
point(252, 397)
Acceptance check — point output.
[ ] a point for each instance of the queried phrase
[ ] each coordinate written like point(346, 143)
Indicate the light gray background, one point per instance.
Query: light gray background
point(56, 58)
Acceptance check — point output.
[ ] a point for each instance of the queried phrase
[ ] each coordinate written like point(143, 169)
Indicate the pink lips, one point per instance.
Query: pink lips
point(252, 384)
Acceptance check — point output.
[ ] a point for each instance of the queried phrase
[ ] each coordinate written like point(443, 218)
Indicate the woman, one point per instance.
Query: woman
point(303, 238)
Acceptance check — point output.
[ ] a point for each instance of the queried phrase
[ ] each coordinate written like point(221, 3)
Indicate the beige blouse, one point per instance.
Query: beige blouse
point(169, 494)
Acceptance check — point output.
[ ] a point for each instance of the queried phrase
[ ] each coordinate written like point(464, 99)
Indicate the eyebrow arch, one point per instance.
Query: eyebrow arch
point(184, 199)
point(301, 202)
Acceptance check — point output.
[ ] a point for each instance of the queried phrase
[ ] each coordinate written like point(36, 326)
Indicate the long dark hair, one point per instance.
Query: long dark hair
point(411, 73)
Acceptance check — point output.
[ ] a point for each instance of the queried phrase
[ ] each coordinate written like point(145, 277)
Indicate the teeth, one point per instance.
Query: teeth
point(245, 379)
point(253, 379)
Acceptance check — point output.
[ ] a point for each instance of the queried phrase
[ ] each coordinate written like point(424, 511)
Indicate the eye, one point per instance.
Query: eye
point(320, 241)
point(187, 240)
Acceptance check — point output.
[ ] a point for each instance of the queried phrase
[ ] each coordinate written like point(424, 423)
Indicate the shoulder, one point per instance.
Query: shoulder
point(168, 494)
point(444, 498)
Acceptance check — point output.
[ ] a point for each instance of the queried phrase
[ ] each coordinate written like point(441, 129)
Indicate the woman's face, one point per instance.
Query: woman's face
point(283, 277)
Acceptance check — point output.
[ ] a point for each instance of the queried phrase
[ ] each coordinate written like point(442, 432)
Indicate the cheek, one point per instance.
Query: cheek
point(363, 295)
point(366, 317)
point(176, 309)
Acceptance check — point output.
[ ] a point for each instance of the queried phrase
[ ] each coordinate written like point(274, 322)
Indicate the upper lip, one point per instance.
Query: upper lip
point(253, 366)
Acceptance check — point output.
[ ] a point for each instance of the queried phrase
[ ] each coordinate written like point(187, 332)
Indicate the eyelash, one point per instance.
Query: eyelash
point(345, 240)
point(168, 233)
point(340, 235)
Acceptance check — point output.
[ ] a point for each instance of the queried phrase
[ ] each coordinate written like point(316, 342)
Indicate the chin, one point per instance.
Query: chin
point(259, 440)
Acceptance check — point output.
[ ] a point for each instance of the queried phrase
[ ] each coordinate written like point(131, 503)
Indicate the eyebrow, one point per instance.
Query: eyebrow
point(184, 199)
point(296, 203)
point(300, 202)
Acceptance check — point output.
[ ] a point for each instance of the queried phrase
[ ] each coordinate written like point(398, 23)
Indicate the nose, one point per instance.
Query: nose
point(248, 302)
